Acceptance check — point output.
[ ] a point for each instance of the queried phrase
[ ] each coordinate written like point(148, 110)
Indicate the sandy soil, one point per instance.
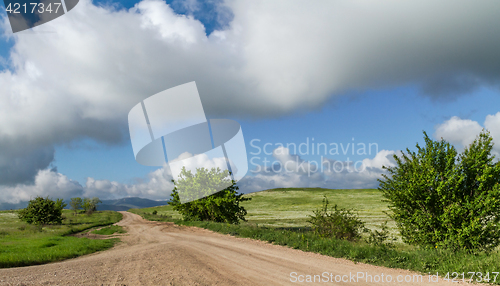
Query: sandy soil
point(154, 253)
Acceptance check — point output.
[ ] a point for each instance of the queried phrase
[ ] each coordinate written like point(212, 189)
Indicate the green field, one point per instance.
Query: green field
point(22, 244)
point(291, 207)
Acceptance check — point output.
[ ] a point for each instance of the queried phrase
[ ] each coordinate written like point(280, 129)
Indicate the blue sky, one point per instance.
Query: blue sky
point(288, 73)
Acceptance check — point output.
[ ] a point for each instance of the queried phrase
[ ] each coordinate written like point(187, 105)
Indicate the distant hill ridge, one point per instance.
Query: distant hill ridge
point(124, 204)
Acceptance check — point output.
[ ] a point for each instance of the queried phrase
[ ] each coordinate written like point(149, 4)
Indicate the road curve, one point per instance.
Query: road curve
point(155, 253)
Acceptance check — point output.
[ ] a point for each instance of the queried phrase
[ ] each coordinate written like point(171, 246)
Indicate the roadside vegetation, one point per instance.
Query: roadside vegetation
point(109, 230)
point(436, 212)
point(23, 244)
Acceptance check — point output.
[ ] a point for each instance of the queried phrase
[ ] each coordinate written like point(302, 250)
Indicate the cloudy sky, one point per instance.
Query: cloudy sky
point(326, 77)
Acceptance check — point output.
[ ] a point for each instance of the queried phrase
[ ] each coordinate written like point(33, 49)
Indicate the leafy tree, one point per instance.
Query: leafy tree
point(222, 206)
point(86, 204)
point(440, 198)
point(42, 211)
point(90, 205)
point(94, 202)
point(76, 204)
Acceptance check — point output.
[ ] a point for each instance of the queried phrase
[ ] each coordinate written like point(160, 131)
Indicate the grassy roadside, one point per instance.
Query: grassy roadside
point(109, 230)
point(22, 244)
point(290, 229)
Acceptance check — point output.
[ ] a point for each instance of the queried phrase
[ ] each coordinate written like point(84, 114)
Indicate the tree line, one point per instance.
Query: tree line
point(44, 211)
point(87, 205)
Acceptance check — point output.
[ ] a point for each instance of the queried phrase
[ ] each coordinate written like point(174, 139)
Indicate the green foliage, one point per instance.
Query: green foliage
point(338, 223)
point(155, 212)
point(442, 199)
point(42, 211)
point(382, 237)
point(90, 205)
point(76, 204)
point(222, 206)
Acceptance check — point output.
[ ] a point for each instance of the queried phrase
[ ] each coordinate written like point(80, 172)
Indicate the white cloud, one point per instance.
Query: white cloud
point(492, 124)
point(382, 158)
point(464, 131)
point(47, 183)
point(157, 186)
point(458, 131)
point(292, 171)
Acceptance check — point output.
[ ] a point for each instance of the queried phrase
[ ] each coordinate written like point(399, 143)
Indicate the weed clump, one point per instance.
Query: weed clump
point(337, 223)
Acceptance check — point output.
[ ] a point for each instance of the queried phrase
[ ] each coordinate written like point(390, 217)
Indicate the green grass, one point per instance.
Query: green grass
point(112, 229)
point(291, 207)
point(22, 244)
point(280, 216)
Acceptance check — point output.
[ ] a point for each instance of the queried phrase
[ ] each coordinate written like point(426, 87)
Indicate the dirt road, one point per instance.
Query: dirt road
point(155, 253)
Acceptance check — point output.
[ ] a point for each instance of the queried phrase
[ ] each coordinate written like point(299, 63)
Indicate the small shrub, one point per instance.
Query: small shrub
point(382, 237)
point(155, 212)
point(338, 223)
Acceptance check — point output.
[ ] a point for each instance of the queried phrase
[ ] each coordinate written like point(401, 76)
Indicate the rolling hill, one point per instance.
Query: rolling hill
point(124, 204)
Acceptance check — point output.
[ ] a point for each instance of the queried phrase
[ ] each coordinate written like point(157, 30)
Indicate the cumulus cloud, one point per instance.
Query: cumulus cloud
point(289, 170)
point(458, 131)
point(78, 76)
point(47, 183)
point(464, 131)
point(156, 186)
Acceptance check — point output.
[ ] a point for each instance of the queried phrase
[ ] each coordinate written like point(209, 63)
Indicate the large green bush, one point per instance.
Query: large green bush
point(338, 223)
point(440, 198)
point(42, 211)
point(222, 206)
